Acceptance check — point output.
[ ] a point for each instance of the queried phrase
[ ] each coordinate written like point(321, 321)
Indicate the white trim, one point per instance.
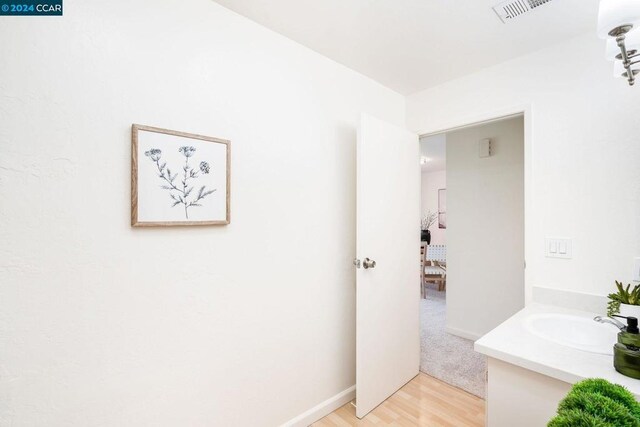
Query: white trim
point(480, 122)
point(475, 119)
point(322, 409)
point(463, 334)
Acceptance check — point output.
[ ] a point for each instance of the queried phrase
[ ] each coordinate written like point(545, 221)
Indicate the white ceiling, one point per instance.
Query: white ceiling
point(409, 45)
point(434, 149)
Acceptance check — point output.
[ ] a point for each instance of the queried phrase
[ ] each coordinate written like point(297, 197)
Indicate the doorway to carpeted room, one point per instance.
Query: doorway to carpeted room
point(444, 356)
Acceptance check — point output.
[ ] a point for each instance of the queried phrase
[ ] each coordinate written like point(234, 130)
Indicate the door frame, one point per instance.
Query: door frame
point(526, 111)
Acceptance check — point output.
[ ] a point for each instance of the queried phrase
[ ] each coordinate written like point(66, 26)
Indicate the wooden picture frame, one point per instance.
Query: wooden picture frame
point(192, 189)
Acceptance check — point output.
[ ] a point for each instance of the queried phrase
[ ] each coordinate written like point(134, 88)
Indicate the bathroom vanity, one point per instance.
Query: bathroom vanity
point(536, 355)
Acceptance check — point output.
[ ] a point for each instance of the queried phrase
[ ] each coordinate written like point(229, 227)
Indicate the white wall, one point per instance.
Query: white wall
point(102, 324)
point(431, 183)
point(485, 251)
point(583, 134)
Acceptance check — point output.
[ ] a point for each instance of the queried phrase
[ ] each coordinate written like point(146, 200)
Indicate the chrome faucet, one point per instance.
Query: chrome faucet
point(618, 324)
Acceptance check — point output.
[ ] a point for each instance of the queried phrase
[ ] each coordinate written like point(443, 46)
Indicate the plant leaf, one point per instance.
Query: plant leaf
point(206, 193)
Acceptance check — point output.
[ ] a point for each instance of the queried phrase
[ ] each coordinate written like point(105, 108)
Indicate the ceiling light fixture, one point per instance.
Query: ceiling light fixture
point(619, 22)
point(424, 160)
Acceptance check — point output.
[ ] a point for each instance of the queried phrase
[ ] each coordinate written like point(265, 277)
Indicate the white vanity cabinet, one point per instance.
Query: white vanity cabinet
point(533, 363)
point(520, 397)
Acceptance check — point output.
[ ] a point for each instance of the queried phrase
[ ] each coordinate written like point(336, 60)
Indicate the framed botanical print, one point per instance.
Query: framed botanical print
point(178, 178)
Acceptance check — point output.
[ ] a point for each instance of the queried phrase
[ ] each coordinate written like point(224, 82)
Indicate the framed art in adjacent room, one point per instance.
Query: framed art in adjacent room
point(178, 178)
point(442, 208)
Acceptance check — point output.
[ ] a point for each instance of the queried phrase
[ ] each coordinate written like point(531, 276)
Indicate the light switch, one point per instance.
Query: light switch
point(636, 270)
point(562, 247)
point(557, 247)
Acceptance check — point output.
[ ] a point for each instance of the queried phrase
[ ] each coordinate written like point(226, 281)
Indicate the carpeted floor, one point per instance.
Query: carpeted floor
point(445, 356)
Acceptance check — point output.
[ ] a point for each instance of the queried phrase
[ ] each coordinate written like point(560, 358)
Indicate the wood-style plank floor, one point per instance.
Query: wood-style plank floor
point(425, 401)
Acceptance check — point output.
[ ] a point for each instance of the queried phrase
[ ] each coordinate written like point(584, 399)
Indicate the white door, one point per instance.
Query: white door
point(388, 232)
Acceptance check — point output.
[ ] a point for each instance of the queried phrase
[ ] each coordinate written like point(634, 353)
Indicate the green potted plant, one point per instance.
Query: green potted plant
point(596, 402)
point(625, 302)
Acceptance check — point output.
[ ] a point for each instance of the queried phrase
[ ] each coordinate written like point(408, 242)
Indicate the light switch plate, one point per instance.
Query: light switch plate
point(558, 247)
point(636, 270)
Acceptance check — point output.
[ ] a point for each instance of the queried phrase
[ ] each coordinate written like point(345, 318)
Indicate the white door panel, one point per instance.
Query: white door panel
point(388, 295)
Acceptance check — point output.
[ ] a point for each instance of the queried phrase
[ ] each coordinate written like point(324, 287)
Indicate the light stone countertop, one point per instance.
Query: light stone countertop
point(511, 342)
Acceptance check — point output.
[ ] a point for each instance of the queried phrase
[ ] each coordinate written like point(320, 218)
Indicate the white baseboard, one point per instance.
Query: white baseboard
point(463, 334)
point(322, 409)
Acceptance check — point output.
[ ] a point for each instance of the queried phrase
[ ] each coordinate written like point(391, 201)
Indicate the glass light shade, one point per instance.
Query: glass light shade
point(619, 70)
point(632, 42)
point(614, 13)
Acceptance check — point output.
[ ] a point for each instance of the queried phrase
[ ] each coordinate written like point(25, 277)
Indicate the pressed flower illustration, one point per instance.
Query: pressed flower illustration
point(181, 192)
point(204, 167)
point(187, 151)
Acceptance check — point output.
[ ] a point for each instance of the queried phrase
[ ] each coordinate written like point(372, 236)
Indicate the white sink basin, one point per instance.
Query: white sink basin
point(573, 331)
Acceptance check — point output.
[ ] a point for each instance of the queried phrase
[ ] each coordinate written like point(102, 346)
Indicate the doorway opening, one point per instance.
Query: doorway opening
point(472, 257)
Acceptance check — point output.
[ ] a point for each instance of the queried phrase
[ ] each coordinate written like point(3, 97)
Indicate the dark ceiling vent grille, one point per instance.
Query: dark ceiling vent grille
point(535, 3)
point(511, 9)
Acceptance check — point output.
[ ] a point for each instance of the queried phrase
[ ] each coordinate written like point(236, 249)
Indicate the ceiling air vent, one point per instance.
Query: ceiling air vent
point(510, 9)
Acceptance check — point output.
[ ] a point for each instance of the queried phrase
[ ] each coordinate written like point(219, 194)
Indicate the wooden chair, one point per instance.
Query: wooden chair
point(433, 267)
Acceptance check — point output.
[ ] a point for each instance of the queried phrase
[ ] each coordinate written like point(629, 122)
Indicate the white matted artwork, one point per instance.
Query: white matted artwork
point(178, 178)
point(442, 208)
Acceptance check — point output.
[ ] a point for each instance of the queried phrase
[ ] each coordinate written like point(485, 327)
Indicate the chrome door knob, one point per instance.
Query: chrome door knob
point(368, 263)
